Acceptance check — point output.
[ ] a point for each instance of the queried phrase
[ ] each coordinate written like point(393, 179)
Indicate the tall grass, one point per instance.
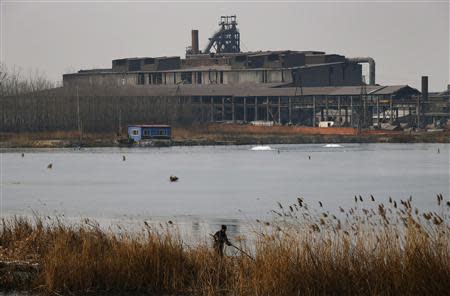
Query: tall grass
point(370, 248)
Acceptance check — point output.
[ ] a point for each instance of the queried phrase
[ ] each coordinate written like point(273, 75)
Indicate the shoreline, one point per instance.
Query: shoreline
point(227, 134)
point(45, 140)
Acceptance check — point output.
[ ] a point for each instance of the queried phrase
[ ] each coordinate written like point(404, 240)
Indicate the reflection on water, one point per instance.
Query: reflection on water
point(230, 185)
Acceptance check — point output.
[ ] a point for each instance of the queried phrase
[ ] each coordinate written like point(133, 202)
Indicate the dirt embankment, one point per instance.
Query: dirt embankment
point(227, 134)
point(247, 134)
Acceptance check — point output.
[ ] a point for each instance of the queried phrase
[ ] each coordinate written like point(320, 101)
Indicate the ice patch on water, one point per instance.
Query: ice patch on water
point(333, 146)
point(261, 148)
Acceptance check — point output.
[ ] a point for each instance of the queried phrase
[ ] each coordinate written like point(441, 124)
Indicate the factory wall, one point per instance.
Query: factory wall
point(99, 79)
point(331, 75)
point(320, 75)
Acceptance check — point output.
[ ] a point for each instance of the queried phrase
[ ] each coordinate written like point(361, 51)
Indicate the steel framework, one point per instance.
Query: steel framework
point(227, 39)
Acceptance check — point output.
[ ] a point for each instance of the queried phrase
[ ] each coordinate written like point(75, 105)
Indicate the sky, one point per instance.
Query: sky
point(407, 39)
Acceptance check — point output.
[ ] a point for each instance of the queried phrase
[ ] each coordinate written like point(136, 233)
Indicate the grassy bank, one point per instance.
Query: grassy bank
point(371, 249)
point(226, 134)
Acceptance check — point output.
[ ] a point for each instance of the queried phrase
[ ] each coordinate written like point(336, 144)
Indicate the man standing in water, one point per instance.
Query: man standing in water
point(220, 239)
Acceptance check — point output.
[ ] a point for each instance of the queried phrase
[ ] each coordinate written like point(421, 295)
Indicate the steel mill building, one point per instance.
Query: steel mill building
point(227, 65)
point(220, 83)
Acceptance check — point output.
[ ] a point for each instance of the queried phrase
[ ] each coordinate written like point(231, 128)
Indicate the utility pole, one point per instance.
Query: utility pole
point(362, 122)
point(120, 117)
point(78, 118)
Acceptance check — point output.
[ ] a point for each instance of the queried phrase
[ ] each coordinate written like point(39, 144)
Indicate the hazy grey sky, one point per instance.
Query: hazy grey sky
point(406, 39)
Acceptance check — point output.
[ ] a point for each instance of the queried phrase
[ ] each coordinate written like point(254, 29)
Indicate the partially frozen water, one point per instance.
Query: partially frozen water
point(226, 184)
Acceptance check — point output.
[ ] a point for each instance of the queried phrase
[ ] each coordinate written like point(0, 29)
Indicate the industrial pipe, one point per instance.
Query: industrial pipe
point(371, 63)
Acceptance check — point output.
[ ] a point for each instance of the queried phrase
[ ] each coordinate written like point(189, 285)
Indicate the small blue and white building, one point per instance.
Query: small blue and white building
point(149, 132)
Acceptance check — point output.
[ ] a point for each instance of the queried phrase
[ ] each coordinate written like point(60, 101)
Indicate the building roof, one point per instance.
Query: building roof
point(149, 125)
point(247, 90)
point(184, 68)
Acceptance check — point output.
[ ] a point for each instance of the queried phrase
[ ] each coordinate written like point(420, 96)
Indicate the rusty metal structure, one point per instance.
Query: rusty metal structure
point(227, 39)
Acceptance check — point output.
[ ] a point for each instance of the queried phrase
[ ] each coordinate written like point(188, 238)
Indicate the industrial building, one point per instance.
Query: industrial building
point(228, 65)
point(222, 84)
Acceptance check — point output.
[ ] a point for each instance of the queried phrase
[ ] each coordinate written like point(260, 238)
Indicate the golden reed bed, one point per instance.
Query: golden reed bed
point(369, 249)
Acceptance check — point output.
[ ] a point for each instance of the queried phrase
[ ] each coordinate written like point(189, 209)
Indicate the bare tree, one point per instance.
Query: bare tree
point(13, 82)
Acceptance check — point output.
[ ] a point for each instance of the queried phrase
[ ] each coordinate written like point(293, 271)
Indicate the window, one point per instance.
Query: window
point(157, 78)
point(263, 76)
point(199, 77)
point(135, 132)
point(272, 57)
point(212, 76)
point(149, 61)
point(134, 65)
point(241, 58)
point(120, 62)
point(141, 78)
point(186, 77)
point(221, 77)
point(146, 132)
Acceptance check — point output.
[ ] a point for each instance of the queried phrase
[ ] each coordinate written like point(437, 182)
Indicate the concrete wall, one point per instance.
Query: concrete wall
point(99, 79)
point(321, 75)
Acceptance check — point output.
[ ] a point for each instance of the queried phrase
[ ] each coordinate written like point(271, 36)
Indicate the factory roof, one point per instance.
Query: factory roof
point(249, 90)
point(149, 125)
point(225, 68)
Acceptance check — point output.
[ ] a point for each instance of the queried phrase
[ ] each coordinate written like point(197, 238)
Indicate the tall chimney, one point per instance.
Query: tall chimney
point(194, 45)
point(424, 88)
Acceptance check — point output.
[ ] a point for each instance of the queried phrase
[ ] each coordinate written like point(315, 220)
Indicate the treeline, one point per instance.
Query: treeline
point(13, 81)
point(89, 110)
point(30, 103)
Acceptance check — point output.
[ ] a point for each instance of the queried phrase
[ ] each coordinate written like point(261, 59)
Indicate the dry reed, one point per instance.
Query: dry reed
point(370, 248)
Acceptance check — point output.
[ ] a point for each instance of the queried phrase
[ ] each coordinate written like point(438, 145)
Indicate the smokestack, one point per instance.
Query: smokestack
point(424, 88)
point(194, 45)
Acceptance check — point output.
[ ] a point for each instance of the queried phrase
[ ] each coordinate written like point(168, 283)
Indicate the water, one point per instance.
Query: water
point(226, 184)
